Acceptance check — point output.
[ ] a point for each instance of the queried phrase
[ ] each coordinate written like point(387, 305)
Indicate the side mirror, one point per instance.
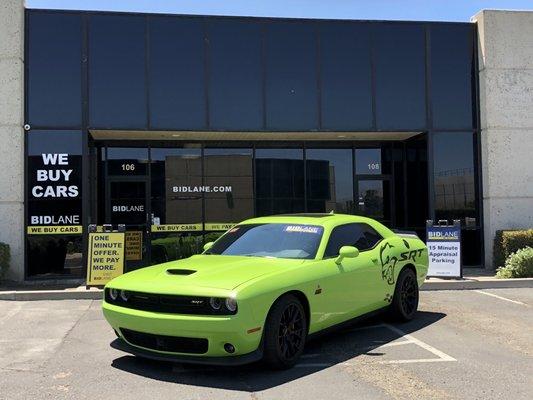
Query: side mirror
point(346, 252)
point(208, 245)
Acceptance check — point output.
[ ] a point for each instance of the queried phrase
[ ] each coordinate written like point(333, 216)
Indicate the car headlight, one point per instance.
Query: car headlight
point(215, 303)
point(113, 293)
point(124, 295)
point(231, 304)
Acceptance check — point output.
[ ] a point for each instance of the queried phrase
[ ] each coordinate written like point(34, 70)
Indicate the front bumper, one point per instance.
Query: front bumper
point(218, 330)
point(122, 345)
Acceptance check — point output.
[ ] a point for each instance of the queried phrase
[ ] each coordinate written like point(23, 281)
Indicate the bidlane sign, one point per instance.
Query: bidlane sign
point(105, 260)
point(444, 247)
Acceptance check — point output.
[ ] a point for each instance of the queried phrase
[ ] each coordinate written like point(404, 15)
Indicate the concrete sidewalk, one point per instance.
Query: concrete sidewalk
point(76, 290)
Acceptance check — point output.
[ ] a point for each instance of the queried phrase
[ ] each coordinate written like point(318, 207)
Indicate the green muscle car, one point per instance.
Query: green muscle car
point(264, 287)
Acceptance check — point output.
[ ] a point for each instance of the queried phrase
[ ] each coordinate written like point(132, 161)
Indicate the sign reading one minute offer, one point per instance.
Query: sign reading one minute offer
point(106, 257)
point(444, 247)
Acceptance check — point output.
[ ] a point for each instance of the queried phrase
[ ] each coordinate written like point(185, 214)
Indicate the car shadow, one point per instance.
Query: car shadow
point(324, 352)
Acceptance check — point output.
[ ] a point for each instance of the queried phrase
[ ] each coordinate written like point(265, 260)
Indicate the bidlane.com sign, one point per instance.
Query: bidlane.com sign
point(444, 247)
point(105, 260)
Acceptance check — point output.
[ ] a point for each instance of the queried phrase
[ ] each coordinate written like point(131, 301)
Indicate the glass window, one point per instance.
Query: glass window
point(368, 162)
point(399, 57)
point(270, 240)
point(346, 84)
point(453, 158)
point(235, 75)
point(291, 76)
point(127, 161)
point(54, 189)
point(452, 75)
point(117, 90)
point(177, 73)
point(177, 186)
point(54, 70)
point(229, 178)
point(416, 182)
point(55, 255)
point(329, 180)
point(279, 184)
point(361, 236)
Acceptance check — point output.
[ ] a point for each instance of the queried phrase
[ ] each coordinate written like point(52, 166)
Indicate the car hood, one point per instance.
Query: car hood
point(201, 271)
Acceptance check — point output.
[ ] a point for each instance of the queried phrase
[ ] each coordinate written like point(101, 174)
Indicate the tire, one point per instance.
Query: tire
point(285, 333)
point(405, 301)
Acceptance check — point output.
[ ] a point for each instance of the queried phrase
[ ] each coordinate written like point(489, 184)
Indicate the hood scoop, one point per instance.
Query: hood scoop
point(175, 271)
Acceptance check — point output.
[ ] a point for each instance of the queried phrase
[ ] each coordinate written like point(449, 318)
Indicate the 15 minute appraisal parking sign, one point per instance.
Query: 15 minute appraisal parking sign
point(444, 248)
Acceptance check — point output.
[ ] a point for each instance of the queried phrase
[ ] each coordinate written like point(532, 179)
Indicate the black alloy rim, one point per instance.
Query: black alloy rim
point(409, 295)
point(291, 331)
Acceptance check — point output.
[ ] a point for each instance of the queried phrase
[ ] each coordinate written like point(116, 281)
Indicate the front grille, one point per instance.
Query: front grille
point(166, 303)
point(172, 344)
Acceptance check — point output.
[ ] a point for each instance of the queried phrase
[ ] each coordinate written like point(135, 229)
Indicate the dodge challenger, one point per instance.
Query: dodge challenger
point(264, 288)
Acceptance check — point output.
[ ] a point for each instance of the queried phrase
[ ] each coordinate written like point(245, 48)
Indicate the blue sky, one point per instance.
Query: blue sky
point(426, 10)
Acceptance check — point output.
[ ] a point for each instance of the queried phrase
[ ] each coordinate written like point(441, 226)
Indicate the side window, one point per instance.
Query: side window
point(361, 236)
point(344, 235)
point(371, 236)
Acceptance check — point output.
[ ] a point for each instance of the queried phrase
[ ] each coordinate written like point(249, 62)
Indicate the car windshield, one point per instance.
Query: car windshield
point(270, 240)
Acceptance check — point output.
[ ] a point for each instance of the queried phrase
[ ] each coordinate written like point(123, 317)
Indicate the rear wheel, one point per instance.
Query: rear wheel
point(285, 333)
point(405, 300)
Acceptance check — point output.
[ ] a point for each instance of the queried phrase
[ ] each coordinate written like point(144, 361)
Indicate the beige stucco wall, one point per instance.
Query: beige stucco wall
point(11, 132)
point(506, 103)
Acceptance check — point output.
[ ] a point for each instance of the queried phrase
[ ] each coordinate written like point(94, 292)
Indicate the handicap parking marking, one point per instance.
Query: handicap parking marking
point(407, 339)
point(500, 297)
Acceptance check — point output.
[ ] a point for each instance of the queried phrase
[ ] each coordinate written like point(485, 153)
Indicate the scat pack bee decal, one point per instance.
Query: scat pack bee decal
point(388, 258)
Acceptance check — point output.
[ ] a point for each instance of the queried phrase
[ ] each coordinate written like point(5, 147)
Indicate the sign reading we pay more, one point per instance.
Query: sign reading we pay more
point(105, 260)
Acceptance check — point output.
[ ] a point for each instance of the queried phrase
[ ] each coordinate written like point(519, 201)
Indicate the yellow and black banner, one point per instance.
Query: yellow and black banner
point(134, 245)
point(177, 228)
point(54, 229)
point(220, 226)
point(105, 259)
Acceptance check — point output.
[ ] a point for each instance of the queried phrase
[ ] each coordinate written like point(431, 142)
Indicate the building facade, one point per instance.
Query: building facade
point(180, 126)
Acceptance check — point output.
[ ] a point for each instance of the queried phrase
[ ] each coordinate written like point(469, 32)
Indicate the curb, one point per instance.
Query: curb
point(96, 294)
point(31, 295)
point(469, 284)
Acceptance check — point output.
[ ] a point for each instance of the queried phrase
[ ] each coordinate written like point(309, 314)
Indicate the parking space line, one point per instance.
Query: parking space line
point(425, 346)
point(500, 297)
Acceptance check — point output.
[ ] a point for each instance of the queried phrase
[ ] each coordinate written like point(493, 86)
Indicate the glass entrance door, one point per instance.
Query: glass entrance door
point(127, 204)
point(374, 199)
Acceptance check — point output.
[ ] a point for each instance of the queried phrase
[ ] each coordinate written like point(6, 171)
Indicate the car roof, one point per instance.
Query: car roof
point(328, 220)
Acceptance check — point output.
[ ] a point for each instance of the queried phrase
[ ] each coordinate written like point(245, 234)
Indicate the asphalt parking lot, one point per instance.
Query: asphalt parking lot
point(463, 344)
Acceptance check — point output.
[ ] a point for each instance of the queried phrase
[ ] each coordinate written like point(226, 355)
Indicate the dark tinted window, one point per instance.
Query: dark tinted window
point(127, 161)
point(400, 76)
point(329, 180)
point(175, 174)
point(453, 157)
point(452, 76)
point(54, 70)
point(229, 176)
point(235, 75)
point(177, 73)
point(291, 76)
point(361, 236)
point(117, 93)
point(346, 84)
point(279, 182)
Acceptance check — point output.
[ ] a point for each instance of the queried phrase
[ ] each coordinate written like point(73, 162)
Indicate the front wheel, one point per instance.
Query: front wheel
point(285, 333)
point(405, 301)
